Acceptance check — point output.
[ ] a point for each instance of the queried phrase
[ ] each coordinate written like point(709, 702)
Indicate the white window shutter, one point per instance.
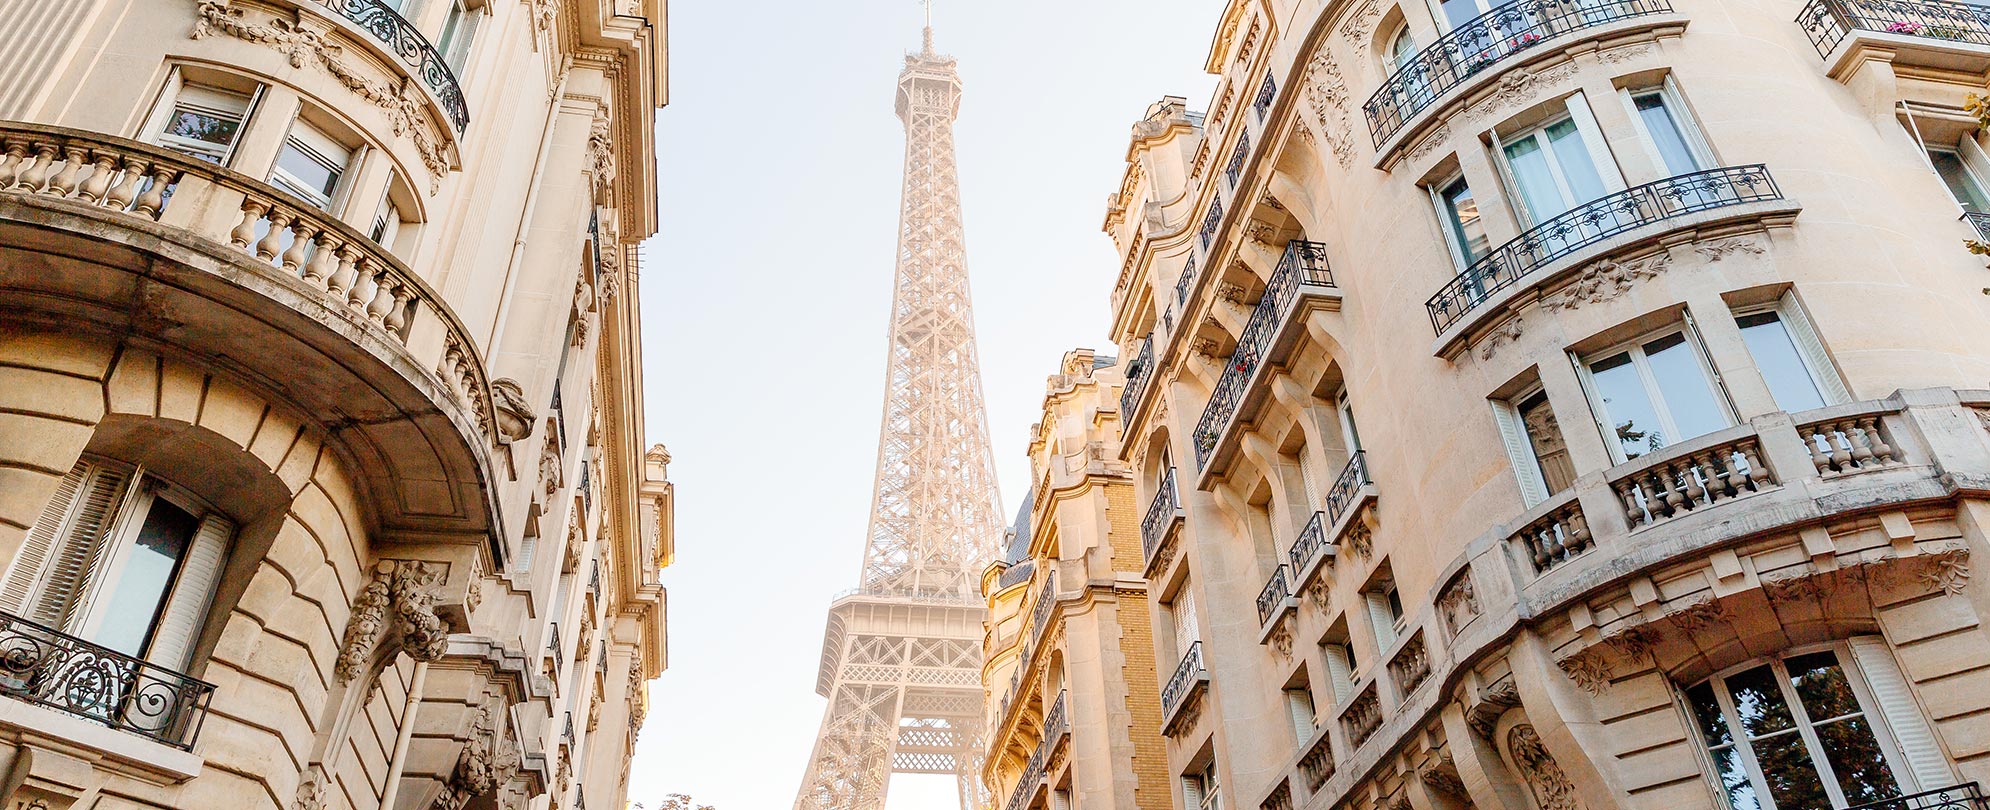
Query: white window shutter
point(1186, 632)
point(179, 627)
point(1192, 791)
point(18, 587)
point(1383, 618)
point(1592, 140)
point(1902, 715)
point(1310, 478)
point(56, 581)
point(1340, 673)
point(1060, 800)
point(1812, 349)
point(1300, 703)
point(1520, 452)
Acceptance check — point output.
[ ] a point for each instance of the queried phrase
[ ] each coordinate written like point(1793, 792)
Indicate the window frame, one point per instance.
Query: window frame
point(1683, 119)
point(152, 131)
point(1975, 161)
point(1456, 242)
point(1575, 109)
point(1600, 412)
point(1875, 713)
point(290, 183)
point(1519, 442)
point(1803, 337)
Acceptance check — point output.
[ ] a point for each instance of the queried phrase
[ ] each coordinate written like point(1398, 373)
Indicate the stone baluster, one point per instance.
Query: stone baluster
point(1632, 500)
point(1841, 445)
point(64, 182)
point(342, 279)
point(272, 244)
point(99, 182)
point(1758, 473)
point(17, 158)
point(37, 174)
point(1668, 493)
point(1689, 481)
point(1577, 528)
point(153, 199)
point(126, 190)
point(1862, 450)
point(363, 284)
point(397, 312)
point(1819, 457)
point(324, 261)
point(245, 230)
point(1882, 452)
point(303, 234)
point(383, 298)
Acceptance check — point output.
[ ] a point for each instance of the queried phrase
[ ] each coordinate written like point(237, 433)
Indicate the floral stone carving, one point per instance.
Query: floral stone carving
point(398, 604)
point(1545, 779)
point(515, 418)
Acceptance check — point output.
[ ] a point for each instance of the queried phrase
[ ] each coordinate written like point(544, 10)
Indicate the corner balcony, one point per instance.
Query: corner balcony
point(1594, 230)
point(44, 667)
point(1477, 46)
point(1184, 689)
point(1056, 727)
point(108, 235)
point(1918, 33)
point(1299, 284)
point(1319, 543)
point(1160, 526)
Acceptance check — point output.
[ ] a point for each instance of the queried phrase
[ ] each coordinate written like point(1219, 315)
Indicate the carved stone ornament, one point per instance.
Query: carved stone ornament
point(1318, 593)
point(544, 12)
point(601, 154)
point(397, 604)
point(1607, 279)
point(515, 418)
point(1267, 200)
point(1545, 779)
point(1635, 642)
point(1494, 701)
point(1281, 638)
point(1233, 293)
point(1590, 669)
point(1250, 43)
point(1617, 56)
point(1947, 570)
point(1507, 332)
point(1714, 250)
point(1360, 538)
point(638, 694)
point(1458, 604)
point(310, 790)
point(1442, 778)
point(576, 536)
point(1792, 588)
point(1701, 615)
point(611, 279)
point(1517, 88)
point(1326, 91)
point(1437, 137)
point(407, 111)
point(487, 762)
point(1360, 23)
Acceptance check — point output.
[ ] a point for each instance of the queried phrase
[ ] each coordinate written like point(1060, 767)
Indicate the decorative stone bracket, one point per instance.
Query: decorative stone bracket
point(412, 604)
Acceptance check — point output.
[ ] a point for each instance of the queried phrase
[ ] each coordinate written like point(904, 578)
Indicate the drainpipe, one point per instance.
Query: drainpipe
point(525, 217)
point(399, 762)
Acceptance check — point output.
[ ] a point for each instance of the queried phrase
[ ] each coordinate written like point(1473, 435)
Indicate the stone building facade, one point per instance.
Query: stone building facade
point(1069, 659)
point(321, 435)
point(1562, 405)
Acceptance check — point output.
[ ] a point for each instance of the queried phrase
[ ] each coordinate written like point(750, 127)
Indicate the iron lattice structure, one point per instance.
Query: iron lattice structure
point(901, 658)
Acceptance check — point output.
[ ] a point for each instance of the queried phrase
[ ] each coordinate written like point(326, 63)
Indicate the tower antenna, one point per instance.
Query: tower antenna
point(929, 24)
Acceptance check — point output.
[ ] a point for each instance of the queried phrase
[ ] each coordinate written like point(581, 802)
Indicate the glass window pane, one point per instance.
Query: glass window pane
point(1733, 775)
point(1790, 773)
point(1529, 166)
point(1683, 384)
point(1782, 367)
point(148, 571)
point(204, 126)
point(1856, 760)
point(1821, 686)
point(1459, 12)
point(1961, 183)
point(1758, 703)
point(1666, 134)
point(1577, 167)
point(1627, 409)
point(1707, 713)
point(1463, 214)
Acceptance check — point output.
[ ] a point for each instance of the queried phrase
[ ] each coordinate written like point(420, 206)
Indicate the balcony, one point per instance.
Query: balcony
point(1304, 264)
point(1829, 22)
point(286, 292)
point(1590, 224)
point(399, 39)
point(47, 668)
point(1054, 728)
point(1552, 533)
point(1139, 373)
point(1184, 687)
point(1157, 529)
point(1210, 222)
point(1276, 597)
point(1470, 49)
point(1267, 93)
point(1965, 796)
point(1353, 491)
point(1235, 170)
point(1979, 222)
point(1692, 475)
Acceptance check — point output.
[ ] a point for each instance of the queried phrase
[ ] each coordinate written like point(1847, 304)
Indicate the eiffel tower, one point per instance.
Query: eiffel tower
point(901, 656)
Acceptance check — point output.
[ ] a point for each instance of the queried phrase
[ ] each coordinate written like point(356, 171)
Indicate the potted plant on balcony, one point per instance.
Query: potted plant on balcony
point(1909, 28)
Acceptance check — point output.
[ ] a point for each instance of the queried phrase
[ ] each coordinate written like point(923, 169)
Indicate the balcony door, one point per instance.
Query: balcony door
point(1559, 164)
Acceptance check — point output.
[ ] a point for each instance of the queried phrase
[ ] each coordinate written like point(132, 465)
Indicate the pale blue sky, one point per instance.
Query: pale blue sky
point(765, 299)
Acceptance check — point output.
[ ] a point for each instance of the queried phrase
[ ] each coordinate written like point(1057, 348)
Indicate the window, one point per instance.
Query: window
point(1948, 138)
point(1458, 211)
point(1201, 790)
point(1667, 129)
point(1560, 164)
point(1299, 704)
point(1653, 392)
point(1349, 434)
point(1402, 49)
point(121, 559)
point(1341, 666)
point(1385, 611)
point(1535, 446)
point(457, 31)
point(1798, 732)
point(200, 120)
point(1182, 611)
point(310, 164)
point(1790, 357)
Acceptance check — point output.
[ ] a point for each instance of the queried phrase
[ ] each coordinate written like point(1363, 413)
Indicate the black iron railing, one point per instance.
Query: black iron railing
point(1041, 613)
point(1161, 514)
point(46, 667)
point(1593, 222)
point(1186, 281)
point(1347, 485)
point(1303, 263)
point(1981, 222)
point(1267, 91)
point(1235, 170)
point(1185, 677)
point(1138, 374)
point(1312, 540)
point(407, 44)
point(1054, 726)
point(1276, 590)
point(1481, 43)
point(1210, 221)
point(1827, 22)
point(1960, 797)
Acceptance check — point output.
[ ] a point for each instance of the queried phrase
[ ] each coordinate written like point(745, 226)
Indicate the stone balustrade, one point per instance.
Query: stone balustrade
point(1362, 717)
point(1692, 475)
point(1555, 537)
point(1854, 442)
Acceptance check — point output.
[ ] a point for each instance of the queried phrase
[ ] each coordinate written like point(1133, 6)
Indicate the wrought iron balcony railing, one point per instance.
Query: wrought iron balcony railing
point(1828, 22)
point(400, 38)
point(48, 668)
point(1210, 221)
point(1054, 726)
point(1487, 40)
point(1347, 486)
point(1186, 281)
point(1267, 92)
point(1312, 540)
point(1040, 614)
point(1276, 590)
point(1981, 222)
point(1594, 222)
point(1138, 374)
point(1966, 796)
point(1303, 263)
point(1161, 514)
point(1185, 677)
point(1235, 171)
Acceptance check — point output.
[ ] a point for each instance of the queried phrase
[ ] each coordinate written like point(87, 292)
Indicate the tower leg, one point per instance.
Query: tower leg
point(851, 766)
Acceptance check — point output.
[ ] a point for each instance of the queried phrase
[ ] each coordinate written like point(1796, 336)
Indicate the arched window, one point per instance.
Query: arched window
point(1805, 729)
point(122, 559)
point(1402, 49)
